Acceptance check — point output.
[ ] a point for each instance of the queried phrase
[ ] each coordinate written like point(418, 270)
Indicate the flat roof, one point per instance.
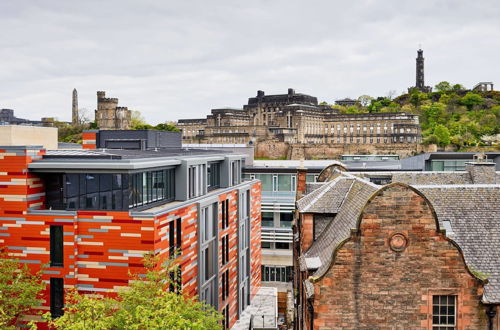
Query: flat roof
point(118, 159)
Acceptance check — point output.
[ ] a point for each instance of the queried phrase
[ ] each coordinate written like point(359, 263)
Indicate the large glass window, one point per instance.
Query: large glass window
point(266, 179)
point(277, 273)
point(150, 187)
point(108, 191)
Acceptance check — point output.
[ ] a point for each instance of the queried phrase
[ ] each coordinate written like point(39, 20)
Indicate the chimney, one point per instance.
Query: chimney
point(260, 94)
point(481, 171)
point(291, 92)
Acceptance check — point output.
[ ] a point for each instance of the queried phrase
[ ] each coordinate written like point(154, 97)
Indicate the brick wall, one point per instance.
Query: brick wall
point(255, 238)
point(372, 286)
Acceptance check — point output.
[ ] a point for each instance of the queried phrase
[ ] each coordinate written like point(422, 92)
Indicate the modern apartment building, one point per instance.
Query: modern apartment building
point(91, 215)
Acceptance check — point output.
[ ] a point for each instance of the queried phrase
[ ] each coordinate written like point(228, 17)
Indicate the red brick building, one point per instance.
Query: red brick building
point(91, 215)
point(399, 256)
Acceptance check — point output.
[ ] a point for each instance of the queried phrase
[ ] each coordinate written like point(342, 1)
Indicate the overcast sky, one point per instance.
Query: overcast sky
point(179, 59)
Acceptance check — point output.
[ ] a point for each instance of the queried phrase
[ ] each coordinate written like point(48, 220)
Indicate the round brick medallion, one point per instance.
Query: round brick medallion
point(398, 242)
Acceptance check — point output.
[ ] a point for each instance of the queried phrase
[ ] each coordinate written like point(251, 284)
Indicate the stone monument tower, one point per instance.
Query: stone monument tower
point(420, 82)
point(74, 113)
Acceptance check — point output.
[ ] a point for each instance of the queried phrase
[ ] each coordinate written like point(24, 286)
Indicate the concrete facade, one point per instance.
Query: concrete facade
point(15, 135)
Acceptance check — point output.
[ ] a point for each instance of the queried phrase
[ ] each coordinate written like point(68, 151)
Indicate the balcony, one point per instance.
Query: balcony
point(280, 197)
point(280, 235)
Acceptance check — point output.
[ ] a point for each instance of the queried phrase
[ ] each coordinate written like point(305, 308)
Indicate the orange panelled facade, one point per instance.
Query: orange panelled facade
point(89, 140)
point(101, 247)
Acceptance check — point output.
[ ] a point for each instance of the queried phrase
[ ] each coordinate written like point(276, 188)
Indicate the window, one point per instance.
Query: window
point(225, 213)
point(196, 179)
point(286, 220)
point(267, 219)
point(282, 246)
point(444, 312)
point(235, 172)
point(56, 246)
point(213, 176)
point(208, 258)
point(277, 273)
point(56, 296)
point(265, 245)
point(225, 249)
point(225, 313)
point(171, 239)
point(178, 225)
point(225, 285)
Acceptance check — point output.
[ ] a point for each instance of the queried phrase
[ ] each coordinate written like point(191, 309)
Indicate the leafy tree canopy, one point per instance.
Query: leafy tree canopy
point(20, 290)
point(145, 304)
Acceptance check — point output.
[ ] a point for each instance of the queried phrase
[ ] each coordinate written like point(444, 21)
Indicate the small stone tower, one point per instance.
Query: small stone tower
point(74, 112)
point(109, 115)
point(420, 82)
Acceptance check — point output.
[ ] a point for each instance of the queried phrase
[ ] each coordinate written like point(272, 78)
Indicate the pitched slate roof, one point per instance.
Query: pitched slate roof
point(473, 212)
point(340, 227)
point(327, 198)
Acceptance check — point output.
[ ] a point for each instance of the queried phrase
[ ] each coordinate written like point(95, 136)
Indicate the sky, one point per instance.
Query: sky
point(179, 59)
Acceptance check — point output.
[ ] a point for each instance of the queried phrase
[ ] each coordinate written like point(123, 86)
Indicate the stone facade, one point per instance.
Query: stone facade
point(373, 284)
point(109, 115)
point(298, 118)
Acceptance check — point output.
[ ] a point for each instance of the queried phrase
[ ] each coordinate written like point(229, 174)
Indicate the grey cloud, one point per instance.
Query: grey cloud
point(179, 59)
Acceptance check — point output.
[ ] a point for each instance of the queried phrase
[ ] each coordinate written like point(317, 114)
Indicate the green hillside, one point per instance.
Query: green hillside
point(451, 115)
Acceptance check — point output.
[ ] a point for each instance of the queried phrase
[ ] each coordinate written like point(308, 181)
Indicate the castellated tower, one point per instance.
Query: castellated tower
point(74, 113)
point(109, 115)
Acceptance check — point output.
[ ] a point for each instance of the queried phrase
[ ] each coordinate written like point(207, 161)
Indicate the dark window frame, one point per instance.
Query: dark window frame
point(56, 296)
point(56, 246)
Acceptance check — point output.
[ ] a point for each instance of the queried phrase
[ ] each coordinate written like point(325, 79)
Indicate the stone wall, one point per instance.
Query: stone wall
point(281, 150)
point(386, 274)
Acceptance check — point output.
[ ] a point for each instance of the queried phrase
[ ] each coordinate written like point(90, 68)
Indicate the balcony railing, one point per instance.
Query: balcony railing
point(280, 235)
point(278, 196)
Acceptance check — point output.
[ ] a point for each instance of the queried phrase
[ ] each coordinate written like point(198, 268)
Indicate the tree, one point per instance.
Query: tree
point(364, 100)
point(137, 120)
point(442, 134)
point(471, 99)
point(443, 87)
point(145, 304)
point(167, 127)
point(20, 290)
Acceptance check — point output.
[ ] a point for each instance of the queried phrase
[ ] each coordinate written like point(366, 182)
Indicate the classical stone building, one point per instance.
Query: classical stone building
point(298, 118)
point(109, 115)
point(419, 252)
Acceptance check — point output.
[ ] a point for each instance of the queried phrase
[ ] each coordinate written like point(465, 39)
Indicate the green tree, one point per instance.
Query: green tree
point(442, 134)
point(443, 87)
point(457, 87)
point(471, 99)
point(417, 97)
point(20, 290)
point(145, 304)
point(364, 100)
point(167, 127)
point(137, 120)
